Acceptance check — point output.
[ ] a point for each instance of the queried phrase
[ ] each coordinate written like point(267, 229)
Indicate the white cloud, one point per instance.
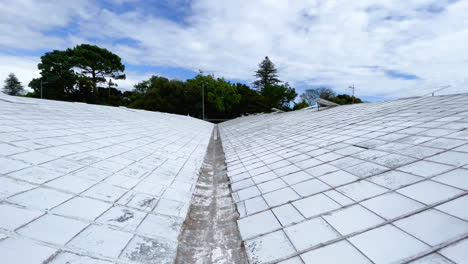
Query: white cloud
point(25, 68)
point(133, 77)
point(333, 42)
point(30, 25)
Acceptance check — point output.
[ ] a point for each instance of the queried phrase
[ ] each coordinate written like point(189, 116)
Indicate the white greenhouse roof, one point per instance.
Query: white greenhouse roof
point(92, 184)
point(366, 183)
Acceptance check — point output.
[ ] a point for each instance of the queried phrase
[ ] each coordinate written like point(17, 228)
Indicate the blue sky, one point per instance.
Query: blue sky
point(388, 49)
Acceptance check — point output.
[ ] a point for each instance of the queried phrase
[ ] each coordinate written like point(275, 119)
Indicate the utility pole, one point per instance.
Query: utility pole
point(110, 86)
point(203, 100)
point(352, 87)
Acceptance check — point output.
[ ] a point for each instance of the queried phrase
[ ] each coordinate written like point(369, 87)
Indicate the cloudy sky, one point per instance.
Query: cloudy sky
point(387, 48)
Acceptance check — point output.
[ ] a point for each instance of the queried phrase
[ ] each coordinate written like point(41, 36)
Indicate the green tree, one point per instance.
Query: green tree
point(279, 96)
point(97, 64)
point(58, 80)
point(300, 105)
point(185, 97)
point(12, 85)
point(111, 96)
point(251, 102)
point(343, 99)
point(147, 94)
point(266, 75)
point(161, 94)
point(275, 95)
point(310, 95)
point(78, 74)
point(221, 93)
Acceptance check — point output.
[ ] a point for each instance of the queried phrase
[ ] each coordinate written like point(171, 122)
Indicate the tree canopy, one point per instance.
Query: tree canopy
point(88, 73)
point(12, 85)
point(310, 95)
point(266, 75)
point(343, 99)
point(78, 74)
point(223, 100)
point(279, 96)
point(276, 95)
point(96, 64)
point(219, 92)
point(57, 77)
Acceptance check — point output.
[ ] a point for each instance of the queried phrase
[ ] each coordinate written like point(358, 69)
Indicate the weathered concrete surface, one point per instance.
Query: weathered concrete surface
point(210, 233)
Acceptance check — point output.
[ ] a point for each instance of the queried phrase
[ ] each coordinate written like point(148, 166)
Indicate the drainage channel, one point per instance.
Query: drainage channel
point(210, 233)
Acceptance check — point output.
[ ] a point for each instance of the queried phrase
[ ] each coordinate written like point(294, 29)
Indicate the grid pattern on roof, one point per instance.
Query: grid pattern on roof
point(91, 184)
point(369, 183)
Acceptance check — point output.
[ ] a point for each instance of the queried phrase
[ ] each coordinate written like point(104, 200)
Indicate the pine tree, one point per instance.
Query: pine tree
point(12, 85)
point(266, 74)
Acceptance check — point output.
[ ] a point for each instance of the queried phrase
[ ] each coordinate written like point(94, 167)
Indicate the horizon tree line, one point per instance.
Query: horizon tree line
point(88, 73)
